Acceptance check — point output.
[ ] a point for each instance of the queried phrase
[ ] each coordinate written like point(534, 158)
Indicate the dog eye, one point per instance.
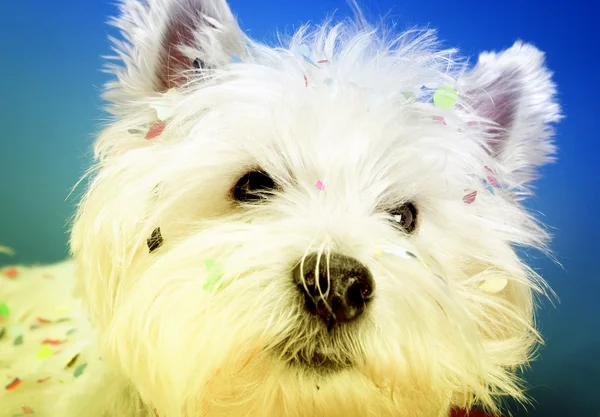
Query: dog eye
point(252, 187)
point(405, 217)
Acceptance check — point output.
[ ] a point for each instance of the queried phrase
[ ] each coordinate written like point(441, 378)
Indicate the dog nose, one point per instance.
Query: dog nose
point(336, 288)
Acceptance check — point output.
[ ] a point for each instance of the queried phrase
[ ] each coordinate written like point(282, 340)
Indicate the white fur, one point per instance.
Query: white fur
point(430, 340)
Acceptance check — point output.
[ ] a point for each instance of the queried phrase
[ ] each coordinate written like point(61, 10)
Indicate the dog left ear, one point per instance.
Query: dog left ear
point(164, 41)
point(514, 93)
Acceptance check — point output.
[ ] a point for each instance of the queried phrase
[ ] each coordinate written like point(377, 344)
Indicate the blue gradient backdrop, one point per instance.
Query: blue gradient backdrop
point(50, 108)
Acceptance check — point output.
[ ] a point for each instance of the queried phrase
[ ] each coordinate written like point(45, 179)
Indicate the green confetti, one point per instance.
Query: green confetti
point(18, 340)
point(79, 370)
point(445, 97)
point(70, 332)
point(215, 273)
point(4, 310)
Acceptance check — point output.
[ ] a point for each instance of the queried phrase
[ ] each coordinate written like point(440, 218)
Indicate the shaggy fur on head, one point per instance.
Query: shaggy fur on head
point(347, 105)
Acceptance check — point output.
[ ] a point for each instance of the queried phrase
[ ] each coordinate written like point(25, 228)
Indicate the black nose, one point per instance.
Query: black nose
point(336, 288)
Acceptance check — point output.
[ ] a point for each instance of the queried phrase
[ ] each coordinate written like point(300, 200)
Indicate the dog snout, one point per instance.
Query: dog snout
point(336, 288)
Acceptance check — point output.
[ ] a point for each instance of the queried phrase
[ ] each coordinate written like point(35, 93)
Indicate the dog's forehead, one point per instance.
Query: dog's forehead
point(320, 116)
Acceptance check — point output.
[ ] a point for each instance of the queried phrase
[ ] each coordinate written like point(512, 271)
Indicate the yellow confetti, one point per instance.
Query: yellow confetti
point(7, 251)
point(445, 97)
point(44, 352)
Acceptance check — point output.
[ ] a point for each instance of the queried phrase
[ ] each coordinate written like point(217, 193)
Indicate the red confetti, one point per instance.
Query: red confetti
point(53, 342)
point(323, 61)
point(11, 272)
point(305, 81)
point(470, 198)
point(28, 410)
point(490, 177)
point(41, 381)
point(42, 320)
point(14, 384)
point(156, 130)
point(440, 119)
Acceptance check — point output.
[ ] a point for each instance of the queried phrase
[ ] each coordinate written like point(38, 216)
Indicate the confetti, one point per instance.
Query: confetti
point(490, 177)
point(53, 342)
point(320, 186)
point(72, 361)
point(14, 384)
point(400, 252)
point(42, 320)
point(305, 81)
point(156, 130)
point(4, 310)
point(440, 119)
point(236, 59)
point(2, 332)
point(18, 340)
point(44, 352)
point(42, 380)
point(14, 331)
point(323, 61)
point(470, 198)
point(70, 332)
point(426, 94)
point(165, 106)
point(493, 285)
point(7, 251)
point(445, 97)
point(215, 273)
point(79, 370)
point(11, 272)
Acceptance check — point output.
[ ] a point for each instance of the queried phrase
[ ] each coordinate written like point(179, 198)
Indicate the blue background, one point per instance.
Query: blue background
point(50, 55)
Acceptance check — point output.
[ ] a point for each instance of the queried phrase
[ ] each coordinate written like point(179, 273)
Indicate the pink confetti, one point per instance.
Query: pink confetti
point(323, 61)
point(305, 81)
point(156, 130)
point(320, 185)
point(490, 177)
point(11, 272)
point(470, 198)
point(440, 119)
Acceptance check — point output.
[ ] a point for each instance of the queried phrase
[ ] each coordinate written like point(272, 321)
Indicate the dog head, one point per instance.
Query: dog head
point(323, 228)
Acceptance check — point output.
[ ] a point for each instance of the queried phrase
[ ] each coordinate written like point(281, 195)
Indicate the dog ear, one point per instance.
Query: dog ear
point(166, 40)
point(514, 93)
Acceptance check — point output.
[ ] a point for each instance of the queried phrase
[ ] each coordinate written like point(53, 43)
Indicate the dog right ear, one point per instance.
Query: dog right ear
point(163, 42)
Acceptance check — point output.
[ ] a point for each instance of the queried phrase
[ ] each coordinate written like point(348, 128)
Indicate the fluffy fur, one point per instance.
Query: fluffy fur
point(352, 115)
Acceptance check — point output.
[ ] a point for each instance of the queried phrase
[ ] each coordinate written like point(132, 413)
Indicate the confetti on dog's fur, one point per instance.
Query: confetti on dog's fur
point(4, 310)
point(215, 271)
point(14, 384)
point(44, 352)
point(42, 380)
point(53, 342)
point(156, 130)
point(470, 198)
point(79, 370)
point(18, 340)
point(320, 186)
point(2, 332)
point(72, 360)
point(445, 97)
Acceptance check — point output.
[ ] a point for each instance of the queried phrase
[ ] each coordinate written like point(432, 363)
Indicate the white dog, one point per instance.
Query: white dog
point(325, 228)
